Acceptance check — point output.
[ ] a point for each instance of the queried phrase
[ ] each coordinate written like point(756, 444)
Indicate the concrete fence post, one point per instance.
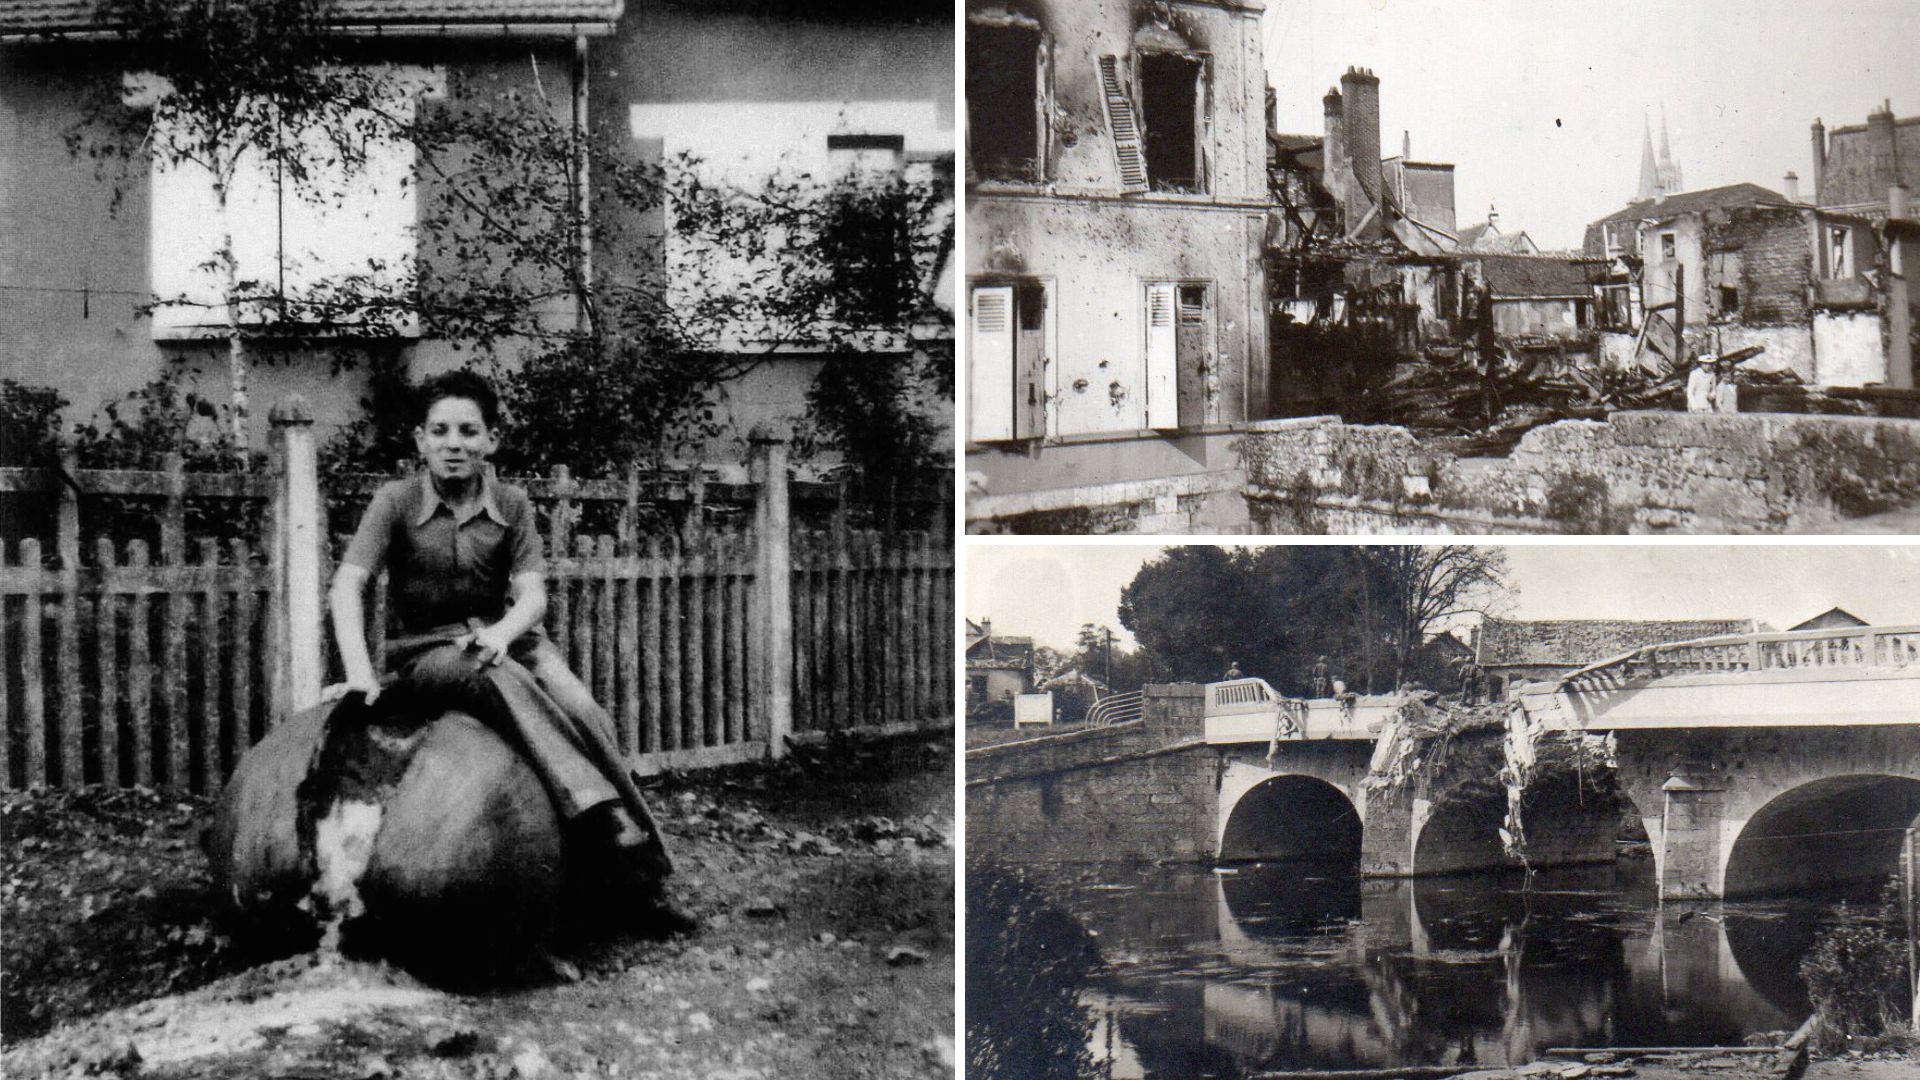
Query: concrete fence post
point(771, 611)
point(297, 647)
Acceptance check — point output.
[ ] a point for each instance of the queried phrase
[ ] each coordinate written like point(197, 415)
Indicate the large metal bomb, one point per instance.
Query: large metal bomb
point(424, 836)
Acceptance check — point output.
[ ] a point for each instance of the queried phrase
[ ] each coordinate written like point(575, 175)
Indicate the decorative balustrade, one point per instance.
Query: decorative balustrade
point(1239, 696)
point(1862, 647)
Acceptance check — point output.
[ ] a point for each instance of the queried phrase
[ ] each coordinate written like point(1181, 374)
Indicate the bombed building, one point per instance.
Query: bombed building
point(1116, 200)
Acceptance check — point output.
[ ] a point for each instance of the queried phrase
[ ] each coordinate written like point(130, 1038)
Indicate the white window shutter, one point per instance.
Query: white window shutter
point(1163, 406)
point(1127, 150)
point(990, 365)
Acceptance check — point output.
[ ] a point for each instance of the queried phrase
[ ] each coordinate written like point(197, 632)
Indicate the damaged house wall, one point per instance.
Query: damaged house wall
point(1136, 227)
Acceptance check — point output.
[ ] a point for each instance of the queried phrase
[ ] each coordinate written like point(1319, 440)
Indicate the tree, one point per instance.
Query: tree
point(225, 87)
point(1428, 585)
point(1274, 611)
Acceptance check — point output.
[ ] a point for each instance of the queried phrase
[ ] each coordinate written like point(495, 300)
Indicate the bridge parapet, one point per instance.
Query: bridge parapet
point(1880, 647)
point(1250, 710)
point(1807, 678)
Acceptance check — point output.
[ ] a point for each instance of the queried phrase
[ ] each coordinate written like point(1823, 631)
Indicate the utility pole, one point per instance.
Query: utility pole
point(1109, 631)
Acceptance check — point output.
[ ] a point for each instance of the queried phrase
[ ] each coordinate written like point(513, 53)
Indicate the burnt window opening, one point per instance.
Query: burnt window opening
point(1729, 299)
point(1667, 245)
point(1172, 95)
point(1004, 101)
point(1616, 307)
point(1840, 251)
point(1030, 306)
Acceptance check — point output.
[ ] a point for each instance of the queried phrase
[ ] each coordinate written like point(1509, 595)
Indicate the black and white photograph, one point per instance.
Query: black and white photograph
point(477, 539)
point(1308, 812)
point(1419, 267)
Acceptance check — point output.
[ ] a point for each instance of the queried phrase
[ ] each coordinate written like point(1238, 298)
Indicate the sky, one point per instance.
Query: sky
point(1047, 591)
point(1540, 103)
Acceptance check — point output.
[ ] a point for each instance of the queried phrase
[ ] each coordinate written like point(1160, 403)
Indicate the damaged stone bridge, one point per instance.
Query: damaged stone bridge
point(1756, 764)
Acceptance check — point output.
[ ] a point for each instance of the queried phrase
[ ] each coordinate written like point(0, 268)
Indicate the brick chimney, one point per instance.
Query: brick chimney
point(1881, 151)
point(1791, 185)
point(1819, 163)
point(1333, 149)
point(1361, 88)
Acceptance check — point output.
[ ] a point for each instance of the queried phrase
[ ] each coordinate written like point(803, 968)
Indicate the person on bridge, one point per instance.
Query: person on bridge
point(467, 582)
point(1322, 681)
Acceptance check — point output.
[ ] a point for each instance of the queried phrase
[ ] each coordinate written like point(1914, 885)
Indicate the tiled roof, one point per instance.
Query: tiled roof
point(1283, 141)
point(1575, 642)
point(1687, 202)
point(1000, 647)
point(57, 16)
point(1533, 275)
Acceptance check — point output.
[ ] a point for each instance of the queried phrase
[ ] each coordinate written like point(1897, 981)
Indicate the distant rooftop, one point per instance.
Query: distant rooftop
point(1577, 642)
point(1532, 275)
point(1686, 202)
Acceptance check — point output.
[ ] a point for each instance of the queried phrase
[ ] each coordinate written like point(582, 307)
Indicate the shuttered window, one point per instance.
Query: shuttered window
point(1127, 150)
point(1163, 409)
point(990, 365)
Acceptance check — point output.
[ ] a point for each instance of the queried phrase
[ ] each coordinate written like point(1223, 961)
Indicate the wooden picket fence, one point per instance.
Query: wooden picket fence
point(716, 622)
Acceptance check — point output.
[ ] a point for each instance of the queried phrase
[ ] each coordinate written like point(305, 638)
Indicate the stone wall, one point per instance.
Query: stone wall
point(1637, 472)
point(1140, 791)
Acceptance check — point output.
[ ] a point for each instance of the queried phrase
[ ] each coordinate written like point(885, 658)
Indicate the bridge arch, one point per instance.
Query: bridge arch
point(1290, 816)
point(1570, 820)
point(1834, 832)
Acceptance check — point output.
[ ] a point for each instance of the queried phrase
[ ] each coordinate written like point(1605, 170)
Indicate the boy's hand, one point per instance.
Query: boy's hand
point(490, 643)
point(364, 683)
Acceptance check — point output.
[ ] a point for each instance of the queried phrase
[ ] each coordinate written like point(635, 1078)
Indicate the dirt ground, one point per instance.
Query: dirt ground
point(823, 890)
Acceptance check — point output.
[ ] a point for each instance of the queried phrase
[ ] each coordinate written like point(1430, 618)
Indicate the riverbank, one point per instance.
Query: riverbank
point(822, 889)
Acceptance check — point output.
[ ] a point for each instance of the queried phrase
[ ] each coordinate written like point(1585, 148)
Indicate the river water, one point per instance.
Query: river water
point(1199, 971)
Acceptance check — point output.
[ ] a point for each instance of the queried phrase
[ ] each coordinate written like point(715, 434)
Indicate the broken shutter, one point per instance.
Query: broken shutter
point(1163, 406)
point(1030, 363)
point(1126, 130)
point(1192, 355)
point(990, 365)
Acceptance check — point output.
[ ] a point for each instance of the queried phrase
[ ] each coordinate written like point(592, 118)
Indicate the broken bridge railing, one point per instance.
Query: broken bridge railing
point(1896, 647)
point(1117, 709)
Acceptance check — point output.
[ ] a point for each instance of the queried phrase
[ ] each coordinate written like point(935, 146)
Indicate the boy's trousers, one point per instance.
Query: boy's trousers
point(533, 699)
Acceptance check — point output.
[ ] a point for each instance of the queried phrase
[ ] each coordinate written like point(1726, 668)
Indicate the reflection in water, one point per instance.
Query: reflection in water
point(1300, 965)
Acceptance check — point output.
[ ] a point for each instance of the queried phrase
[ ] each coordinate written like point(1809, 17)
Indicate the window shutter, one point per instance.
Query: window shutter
point(1126, 130)
point(990, 365)
point(1163, 410)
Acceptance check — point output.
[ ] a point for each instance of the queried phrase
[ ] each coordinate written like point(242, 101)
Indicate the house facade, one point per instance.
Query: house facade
point(86, 253)
point(1116, 200)
point(999, 666)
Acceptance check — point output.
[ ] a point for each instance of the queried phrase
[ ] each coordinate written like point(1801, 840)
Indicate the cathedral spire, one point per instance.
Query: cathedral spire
point(1670, 181)
point(1649, 172)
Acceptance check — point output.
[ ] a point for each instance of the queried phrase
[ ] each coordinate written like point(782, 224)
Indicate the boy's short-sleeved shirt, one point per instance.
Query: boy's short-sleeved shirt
point(444, 569)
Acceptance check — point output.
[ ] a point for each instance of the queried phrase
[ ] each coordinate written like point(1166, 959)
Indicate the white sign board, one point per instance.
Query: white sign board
point(1033, 709)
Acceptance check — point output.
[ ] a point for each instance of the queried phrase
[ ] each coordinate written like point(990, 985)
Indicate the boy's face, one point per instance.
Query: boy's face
point(455, 441)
